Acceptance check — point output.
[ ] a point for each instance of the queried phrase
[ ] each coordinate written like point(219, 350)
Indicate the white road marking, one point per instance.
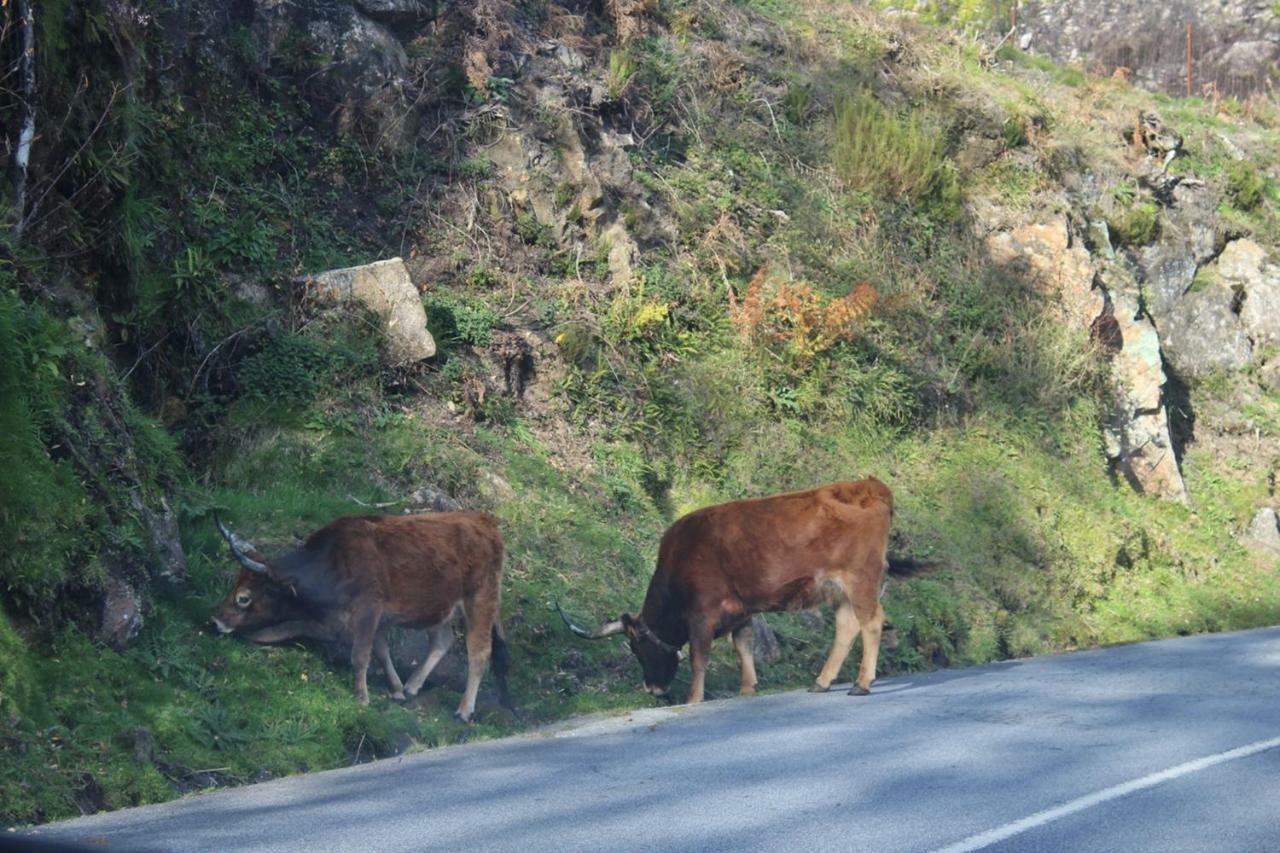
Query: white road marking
point(994, 836)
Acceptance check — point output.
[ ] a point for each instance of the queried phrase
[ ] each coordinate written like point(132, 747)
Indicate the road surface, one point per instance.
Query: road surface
point(1163, 746)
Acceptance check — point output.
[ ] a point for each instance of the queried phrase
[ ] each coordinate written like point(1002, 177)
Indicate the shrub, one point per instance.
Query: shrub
point(295, 368)
point(460, 319)
point(1137, 225)
point(796, 322)
point(888, 158)
point(1244, 185)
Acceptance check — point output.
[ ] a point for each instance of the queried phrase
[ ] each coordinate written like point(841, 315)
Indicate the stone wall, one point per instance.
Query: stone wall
point(1235, 43)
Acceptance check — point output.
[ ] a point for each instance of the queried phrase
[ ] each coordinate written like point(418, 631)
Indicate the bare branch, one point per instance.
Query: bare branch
point(27, 131)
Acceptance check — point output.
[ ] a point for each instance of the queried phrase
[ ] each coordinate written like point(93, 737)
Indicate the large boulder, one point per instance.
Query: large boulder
point(385, 289)
point(1202, 334)
point(1046, 256)
point(1244, 270)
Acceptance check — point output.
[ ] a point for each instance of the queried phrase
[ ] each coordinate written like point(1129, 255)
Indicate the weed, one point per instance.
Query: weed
point(892, 159)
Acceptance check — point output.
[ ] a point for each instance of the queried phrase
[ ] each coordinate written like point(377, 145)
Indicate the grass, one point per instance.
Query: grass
point(960, 388)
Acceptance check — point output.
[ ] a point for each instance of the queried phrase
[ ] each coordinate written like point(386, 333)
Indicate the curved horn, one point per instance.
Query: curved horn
point(647, 633)
point(606, 630)
point(240, 548)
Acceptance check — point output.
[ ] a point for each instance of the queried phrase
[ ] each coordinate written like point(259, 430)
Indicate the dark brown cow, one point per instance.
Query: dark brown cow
point(719, 565)
point(359, 574)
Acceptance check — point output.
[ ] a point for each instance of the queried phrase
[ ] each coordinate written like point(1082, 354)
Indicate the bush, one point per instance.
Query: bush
point(888, 158)
point(295, 368)
point(460, 319)
point(1244, 185)
point(1137, 225)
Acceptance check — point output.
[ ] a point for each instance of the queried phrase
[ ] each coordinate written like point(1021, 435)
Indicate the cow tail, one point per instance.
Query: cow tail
point(905, 567)
point(500, 663)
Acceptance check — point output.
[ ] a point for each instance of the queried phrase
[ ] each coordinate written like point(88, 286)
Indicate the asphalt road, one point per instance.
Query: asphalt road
point(1162, 746)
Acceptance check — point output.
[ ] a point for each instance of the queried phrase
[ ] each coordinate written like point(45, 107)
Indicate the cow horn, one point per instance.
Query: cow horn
point(606, 630)
point(240, 548)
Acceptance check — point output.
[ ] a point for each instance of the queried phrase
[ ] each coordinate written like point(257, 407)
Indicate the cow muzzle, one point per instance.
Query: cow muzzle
point(221, 626)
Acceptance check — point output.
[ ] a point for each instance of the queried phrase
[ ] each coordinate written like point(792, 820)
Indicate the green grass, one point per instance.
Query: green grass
point(962, 390)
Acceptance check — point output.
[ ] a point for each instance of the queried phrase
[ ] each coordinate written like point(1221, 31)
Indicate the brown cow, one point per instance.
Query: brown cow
point(719, 565)
point(359, 574)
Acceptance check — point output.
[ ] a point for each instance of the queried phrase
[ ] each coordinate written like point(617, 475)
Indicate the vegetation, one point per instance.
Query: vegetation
point(808, 299)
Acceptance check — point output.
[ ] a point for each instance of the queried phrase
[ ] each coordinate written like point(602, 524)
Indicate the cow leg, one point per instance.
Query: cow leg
point(479, 646)
point(699, 654)
point(441, 640)
point(871, 622)
point(384, 655)
point(364, 627)
point(846, 629)
point(743, 638)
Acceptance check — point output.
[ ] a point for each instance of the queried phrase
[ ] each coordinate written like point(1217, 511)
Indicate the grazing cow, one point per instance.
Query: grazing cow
point(359, 574)
point(719, 565)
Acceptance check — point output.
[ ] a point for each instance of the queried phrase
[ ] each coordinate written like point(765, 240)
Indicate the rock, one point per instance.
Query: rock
point(1242, 267)
point(372, 73)
point(247, 290)
point(1201, 333)
point(396, 11)
point(764, 642)
point(1136, 432)
point(121, 615)
point(166, 540)
point(356, 69)
point(1269, 375)
point(144, 745)
point(622, 253)
point(430, 499)
point(1235, 41)
point(1263, 535)
point(494, 488)
point(1046, 256)
point(1188, 238)
point(1246, 60)
point(383, 287)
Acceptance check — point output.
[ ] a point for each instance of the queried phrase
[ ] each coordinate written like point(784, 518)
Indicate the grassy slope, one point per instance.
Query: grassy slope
point(999, 472)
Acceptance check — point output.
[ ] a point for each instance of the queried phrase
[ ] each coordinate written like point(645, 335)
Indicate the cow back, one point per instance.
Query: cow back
point(776, 552)
point(418, 567)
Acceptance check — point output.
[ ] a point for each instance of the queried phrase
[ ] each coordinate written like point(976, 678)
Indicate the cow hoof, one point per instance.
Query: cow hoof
point(818, 688)
point(858, 690)
point(398, 696)
point(462, 718)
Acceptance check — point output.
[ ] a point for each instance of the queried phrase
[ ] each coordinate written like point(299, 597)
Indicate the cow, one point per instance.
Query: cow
point(720, 565)
point(357, 575)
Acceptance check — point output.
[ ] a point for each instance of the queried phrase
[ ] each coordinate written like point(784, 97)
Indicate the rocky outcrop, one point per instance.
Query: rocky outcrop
point(1263, 535)
point(1058, 266)
point(346, 57)
point(1235, 43)
point(385, 289)
point(1136, 433)
point(1228, 315)
point(1254, 282)
point(1102, 297)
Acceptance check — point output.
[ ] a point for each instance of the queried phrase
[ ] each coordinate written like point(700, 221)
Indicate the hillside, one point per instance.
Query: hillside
point(670, 253)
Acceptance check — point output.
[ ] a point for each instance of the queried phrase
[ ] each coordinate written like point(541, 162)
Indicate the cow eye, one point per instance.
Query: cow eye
point(243, 599)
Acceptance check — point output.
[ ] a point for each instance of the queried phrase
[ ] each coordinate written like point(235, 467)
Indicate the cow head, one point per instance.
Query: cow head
point(257, 599)
point(657, 658)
